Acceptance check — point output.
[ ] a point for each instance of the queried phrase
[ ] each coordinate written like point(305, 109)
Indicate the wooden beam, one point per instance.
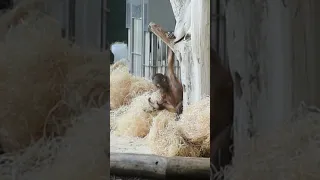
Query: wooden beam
point(160, 33)
point(159, 167)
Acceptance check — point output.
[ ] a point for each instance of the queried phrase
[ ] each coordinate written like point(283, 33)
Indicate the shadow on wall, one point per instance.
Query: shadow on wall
point(221, 121)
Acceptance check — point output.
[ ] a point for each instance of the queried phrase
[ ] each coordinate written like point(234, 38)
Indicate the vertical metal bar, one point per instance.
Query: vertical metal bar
point(142, 40)
point(158, 68)
point(159, 60)
point(154, 51)
point(152, 54)
point(132, 45)
point(149, 63)
point(155, 45)
point(152, 58)
point(131, 38)
point(160, 54)
point(163, 61)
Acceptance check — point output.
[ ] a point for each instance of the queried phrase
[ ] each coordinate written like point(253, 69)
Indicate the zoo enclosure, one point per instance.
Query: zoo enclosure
point(156, 59)
point(147, 54)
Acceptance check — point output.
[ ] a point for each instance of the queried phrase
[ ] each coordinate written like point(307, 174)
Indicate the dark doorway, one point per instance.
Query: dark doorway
point(6, 4)
point(116, 25)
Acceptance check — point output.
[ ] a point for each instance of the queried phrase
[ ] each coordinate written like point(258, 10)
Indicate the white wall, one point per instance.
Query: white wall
point(160, 12)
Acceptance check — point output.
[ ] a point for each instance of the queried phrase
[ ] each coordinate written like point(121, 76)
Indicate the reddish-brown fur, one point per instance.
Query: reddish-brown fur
point(170, 87)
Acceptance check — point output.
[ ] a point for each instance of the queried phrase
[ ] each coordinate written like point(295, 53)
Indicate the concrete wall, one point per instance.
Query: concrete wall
point(271, 44)
point(160, 12)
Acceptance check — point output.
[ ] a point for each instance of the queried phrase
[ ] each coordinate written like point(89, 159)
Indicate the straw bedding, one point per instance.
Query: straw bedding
point(124, 86)
point(190, 136)
point(54, 101)
point(54, 73)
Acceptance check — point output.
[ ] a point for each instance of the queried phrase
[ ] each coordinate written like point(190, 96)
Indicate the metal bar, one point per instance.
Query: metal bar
point(159, 48)
point(134, 53)
point(142, 40)
point(131, 39)
point(150, 55)
point(154, 59)
point(158, 62)
point(152, 52)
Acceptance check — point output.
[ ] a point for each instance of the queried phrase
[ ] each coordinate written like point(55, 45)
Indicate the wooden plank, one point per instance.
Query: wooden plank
point(159, 167)
point(160, 33)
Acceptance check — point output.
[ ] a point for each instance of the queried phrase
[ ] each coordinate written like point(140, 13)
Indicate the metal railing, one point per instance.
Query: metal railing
point(157, 62)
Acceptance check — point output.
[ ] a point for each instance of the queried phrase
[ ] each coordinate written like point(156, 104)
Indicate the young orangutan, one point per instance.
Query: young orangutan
point(170, 87)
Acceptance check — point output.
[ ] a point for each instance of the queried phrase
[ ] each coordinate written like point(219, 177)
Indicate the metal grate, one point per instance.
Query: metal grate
point(146, 53)
point(157, 62)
